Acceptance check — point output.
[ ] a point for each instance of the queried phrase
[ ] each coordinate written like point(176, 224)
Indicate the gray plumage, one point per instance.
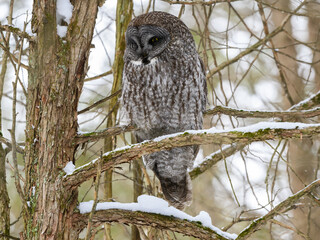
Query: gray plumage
point(164, 92)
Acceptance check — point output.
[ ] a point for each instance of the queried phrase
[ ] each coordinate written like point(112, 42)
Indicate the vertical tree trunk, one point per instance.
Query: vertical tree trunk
point(57, 70)
point(4, 196)
point(123, 17)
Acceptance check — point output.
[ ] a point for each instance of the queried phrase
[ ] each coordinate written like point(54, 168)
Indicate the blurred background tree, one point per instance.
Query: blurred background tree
point(260, 55)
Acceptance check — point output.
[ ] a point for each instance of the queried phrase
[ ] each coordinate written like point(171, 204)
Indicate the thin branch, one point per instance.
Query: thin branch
point(256, 45)
point(8, 236)
point(158, 221)
point(262, 132)
point(95, 201)
point(99, 76)
point(283, 115)
point(308, 103)
point(107, 132)
point(197, 2)
point(9, 144)
point(12, 57)
point(214, 158)
point(282, 207)
point(16, 31)
point(282, 75)
point(99, 102)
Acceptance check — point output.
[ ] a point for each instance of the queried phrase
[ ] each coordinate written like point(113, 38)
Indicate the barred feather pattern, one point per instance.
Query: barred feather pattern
point(166, 95)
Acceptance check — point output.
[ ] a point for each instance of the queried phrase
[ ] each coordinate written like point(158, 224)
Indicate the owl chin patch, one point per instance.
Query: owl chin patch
point(145, 61)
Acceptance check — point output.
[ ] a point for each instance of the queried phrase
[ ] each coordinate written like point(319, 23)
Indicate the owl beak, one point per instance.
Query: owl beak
point(145, 61)
point(145, 58)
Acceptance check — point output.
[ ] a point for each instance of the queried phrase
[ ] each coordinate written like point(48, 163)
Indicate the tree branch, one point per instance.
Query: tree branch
point(99, 76)
point(16, 31)
point(197, 2)
point(99, 102)
point(253, 133)
point(9, 144)
point(158, 221)
point(308, 103)
point(283, 115)
point(214, 158)
point(107, 132)
point(256, 45)
point(279, 209)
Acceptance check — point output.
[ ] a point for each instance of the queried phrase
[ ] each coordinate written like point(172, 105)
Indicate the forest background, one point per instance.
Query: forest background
point(59, 96)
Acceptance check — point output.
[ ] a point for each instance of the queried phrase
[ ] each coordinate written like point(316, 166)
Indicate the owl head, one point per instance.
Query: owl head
point(150, 35)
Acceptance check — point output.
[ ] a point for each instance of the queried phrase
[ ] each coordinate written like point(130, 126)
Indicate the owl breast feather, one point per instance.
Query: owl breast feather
point(163, 97)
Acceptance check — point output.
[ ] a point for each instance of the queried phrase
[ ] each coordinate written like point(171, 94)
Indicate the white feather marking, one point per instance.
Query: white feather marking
point(139, 62)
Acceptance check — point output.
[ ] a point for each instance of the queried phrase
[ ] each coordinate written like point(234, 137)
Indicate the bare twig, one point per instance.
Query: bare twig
point(279, 209)
point(16, 31)
point(256, 45)
point(198, 2)
point(99, 76)
point(95, 200)
point(99, 102)
point(214, 158)
point(96, 135)
point(276, 57)
point(9, 144)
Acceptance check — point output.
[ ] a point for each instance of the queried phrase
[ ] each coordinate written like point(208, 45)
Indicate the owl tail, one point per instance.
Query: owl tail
point(177, 192)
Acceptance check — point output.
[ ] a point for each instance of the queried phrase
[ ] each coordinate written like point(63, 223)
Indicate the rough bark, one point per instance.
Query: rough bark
point(56, 74)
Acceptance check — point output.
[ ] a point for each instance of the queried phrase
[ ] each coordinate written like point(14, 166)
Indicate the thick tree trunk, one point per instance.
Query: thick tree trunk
point(57, 71)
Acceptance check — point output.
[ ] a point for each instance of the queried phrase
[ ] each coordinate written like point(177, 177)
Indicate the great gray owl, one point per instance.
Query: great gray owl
point(164, 92)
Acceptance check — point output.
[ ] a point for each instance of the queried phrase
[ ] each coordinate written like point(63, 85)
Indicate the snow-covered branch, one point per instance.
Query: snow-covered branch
point(283, 115)
point(257, 132)
point(310, 102)
point(282, 207)
point(197, 2)
point(151, 211)
point(289, 115)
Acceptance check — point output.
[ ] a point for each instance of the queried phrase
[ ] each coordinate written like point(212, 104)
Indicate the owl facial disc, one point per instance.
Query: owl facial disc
point(144, 43)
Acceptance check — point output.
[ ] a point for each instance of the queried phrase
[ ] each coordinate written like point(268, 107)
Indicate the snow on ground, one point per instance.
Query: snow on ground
point(156, 205)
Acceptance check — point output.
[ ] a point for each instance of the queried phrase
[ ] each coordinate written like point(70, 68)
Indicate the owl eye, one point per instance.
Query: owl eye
point(153, 41)
point(133, 45)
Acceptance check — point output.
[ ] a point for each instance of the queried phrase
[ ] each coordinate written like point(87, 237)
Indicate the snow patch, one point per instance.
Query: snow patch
point(156, 205)
point(69, 168)
point(63, 13)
